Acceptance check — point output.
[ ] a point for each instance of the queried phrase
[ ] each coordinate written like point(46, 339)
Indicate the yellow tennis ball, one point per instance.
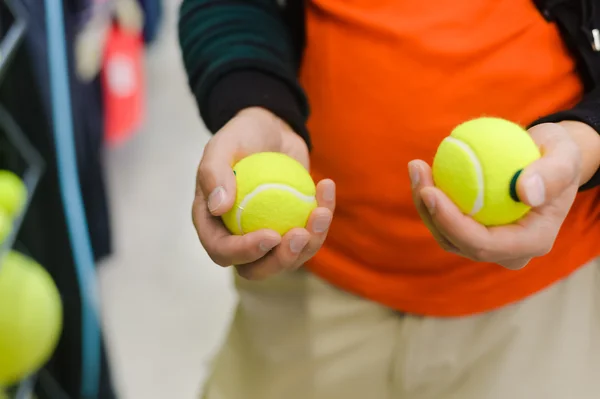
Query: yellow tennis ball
point(6, 225)
point(30, 317)
point(13, 193)
point(477, 167)
point(274, 191)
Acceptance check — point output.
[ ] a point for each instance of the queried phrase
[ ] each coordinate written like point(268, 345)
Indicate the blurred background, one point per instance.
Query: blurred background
point(164, 305)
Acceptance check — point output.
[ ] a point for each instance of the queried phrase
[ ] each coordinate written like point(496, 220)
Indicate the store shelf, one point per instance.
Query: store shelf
point(14, 142)
point(16, 152)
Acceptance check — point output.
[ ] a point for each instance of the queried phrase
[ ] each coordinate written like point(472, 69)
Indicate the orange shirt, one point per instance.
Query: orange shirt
point(387, 81)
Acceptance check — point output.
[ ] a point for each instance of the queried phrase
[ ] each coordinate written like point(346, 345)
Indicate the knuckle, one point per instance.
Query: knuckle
point(219, 259)
point(543, 249)
point(194, 218)
point(250, 273)
point(311, 250)
point(286, 261)
point(480, 254)
point(208, 147)
point(515, 265)
point(195, 213)
point(203, 170)
point(244, 272)
point(568, 167)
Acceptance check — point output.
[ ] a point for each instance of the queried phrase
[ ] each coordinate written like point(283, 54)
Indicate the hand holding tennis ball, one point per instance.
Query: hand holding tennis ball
point(499, 193)
point(478, 165)
point(274, 191)
point(256, 206)
point(30, 317)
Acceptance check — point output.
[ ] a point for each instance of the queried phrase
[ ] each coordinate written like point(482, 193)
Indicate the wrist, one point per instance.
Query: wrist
point(259, 113)
point(588, 141)
point(265, 116)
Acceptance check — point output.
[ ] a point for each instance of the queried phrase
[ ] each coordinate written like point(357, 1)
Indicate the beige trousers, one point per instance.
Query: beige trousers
point(297, 337)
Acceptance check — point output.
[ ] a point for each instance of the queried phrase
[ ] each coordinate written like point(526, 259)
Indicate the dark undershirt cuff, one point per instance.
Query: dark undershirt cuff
point(588, 114)
point(238, 90)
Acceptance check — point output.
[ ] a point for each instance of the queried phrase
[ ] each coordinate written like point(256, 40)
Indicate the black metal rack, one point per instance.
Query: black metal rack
point(16, 152)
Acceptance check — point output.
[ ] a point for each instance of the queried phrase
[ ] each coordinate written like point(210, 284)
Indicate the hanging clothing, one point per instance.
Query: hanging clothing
point(153, 15)
point(25, 93)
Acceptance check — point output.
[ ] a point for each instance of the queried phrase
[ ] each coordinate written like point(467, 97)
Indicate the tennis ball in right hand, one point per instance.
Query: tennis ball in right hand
point(13, 193)
point(274, 191)
point(477, 167)
point(30, 317)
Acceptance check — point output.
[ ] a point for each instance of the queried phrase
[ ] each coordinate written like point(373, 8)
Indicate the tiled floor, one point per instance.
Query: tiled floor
point(165, 305)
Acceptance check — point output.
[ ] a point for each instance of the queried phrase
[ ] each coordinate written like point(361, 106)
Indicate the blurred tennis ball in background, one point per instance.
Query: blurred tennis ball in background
point(6, 224)
point(477, 167)
point(13, 193)
point(274, 191)
point(30, 317)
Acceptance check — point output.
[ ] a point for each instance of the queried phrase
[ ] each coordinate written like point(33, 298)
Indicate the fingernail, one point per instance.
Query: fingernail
point(298, 243)
point(267, 244)
point(413, 172)
point(329, 193)
point(216, 198)
point(430, 203)
point(535, 190)
point(321, 224)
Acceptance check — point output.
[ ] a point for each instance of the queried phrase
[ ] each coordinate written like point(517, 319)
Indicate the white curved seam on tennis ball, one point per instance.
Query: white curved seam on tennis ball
point(478, 204)
point(264, 187)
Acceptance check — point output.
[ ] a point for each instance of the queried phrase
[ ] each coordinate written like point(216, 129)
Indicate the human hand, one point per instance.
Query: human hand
point(263, 253)
point(549, 185)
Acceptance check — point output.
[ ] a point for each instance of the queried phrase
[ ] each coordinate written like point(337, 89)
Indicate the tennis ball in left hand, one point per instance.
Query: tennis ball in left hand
point(274, 191)
point(30, 317)
point(477, 167)
point(13, 193)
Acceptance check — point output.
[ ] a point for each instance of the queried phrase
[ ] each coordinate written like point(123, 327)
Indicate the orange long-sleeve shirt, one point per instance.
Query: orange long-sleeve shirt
point(387, 81)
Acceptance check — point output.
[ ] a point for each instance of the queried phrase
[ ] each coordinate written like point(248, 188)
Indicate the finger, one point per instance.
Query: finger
point(224, 248)
point(319, 221)
point(326, 194)
point(515, 264)
point(215, 178)
point(462, 231)
point(557, 169)
point(318, 226)
point(421, 177)
point(283, 257)
point(530, 238)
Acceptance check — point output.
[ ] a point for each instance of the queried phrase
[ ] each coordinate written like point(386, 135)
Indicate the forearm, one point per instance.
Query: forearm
point(588, 141)
point(238, 54)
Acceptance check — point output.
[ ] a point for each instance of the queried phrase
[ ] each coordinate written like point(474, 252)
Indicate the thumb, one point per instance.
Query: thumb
point(557, 169)
point(251, 131)
point(215, 179)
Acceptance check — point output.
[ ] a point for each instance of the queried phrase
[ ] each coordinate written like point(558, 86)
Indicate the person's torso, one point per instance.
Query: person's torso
point(387, 81)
